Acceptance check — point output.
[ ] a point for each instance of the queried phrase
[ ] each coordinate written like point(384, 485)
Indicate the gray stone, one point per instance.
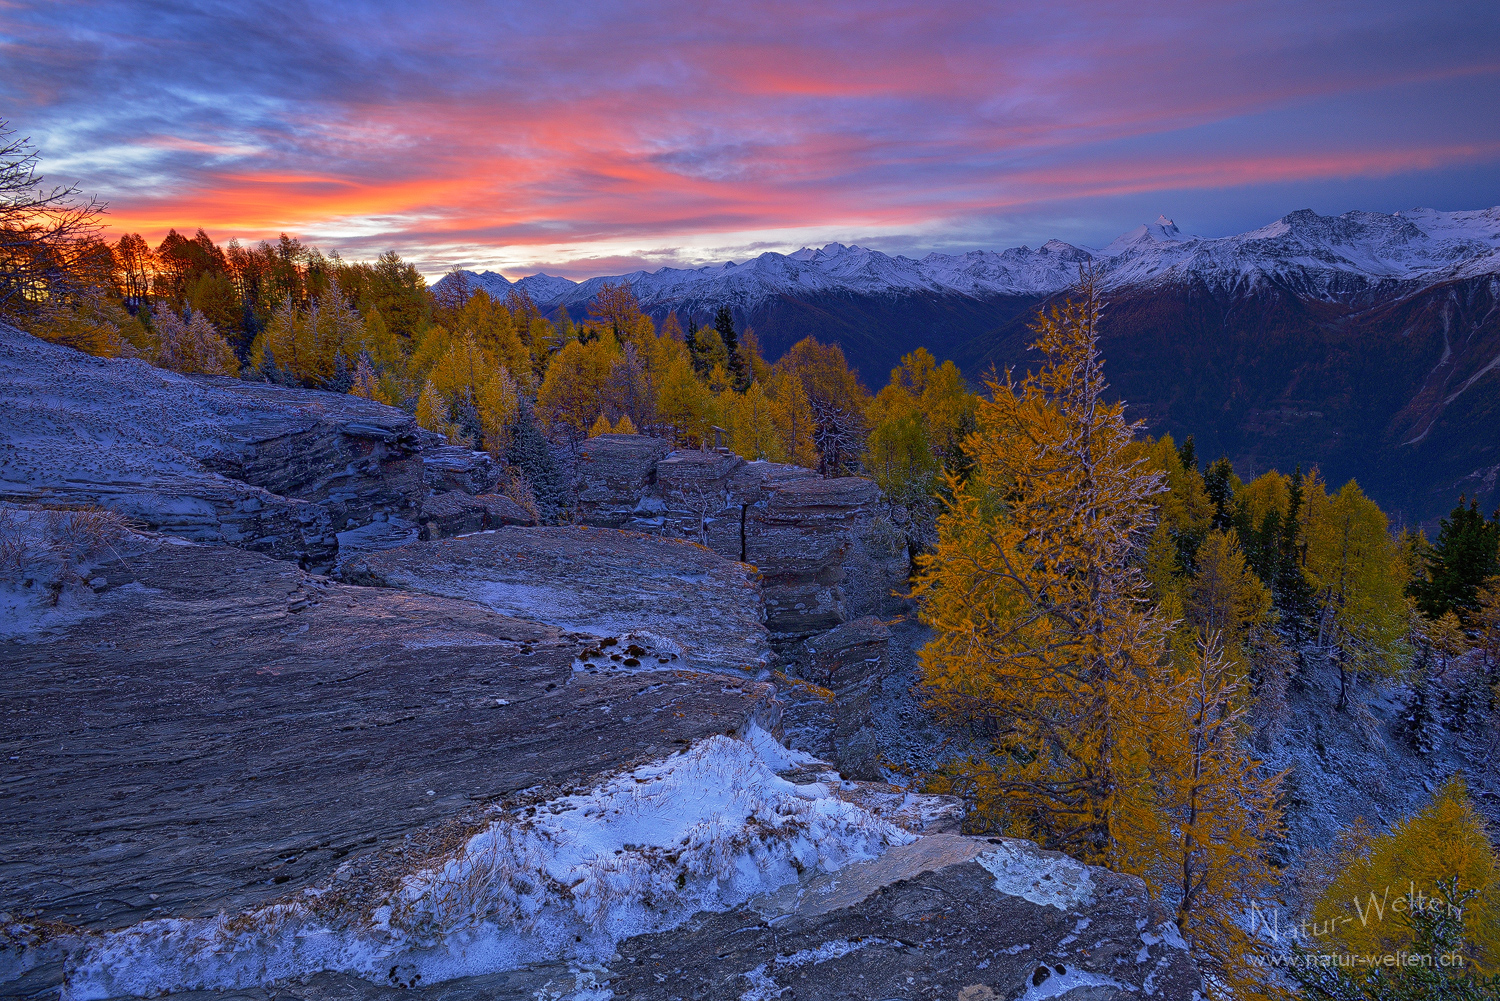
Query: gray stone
point(929, 919)
point(612, 474)
point(825, 548)
point(448, 467)
point(849, 663)
point(683, 602)
point(263, 467)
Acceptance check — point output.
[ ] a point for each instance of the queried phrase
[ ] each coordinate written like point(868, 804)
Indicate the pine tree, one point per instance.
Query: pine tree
point(1291, 587)
point(342, 379)
point(498, 403)
point(683, 402)
point(530, 453)
point(1189, 454)
point(600, 426)
point(739, 372)
point(1466, 554)
point(1219, 482)
point(365, 383)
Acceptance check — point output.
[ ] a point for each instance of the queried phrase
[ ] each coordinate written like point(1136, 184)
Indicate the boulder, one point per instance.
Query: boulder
point(669, 598)
point(448, 467)
point(500, 511)
point(825, 549)
point(612, 475)
point(267, 468)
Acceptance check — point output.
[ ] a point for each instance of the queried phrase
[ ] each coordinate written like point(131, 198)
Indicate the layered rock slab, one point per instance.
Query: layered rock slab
point(268, 468)
point(212, 729)
point(824, 547)
point(996, 918)
point(676, 602)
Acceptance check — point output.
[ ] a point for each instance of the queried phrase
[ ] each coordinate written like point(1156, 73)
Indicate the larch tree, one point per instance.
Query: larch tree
point(1358, 576)
point(1201, 840)
point(1044, 640)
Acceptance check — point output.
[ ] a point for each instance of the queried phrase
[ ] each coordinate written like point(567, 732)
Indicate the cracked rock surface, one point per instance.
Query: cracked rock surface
point(214, 729)
point(681, 601)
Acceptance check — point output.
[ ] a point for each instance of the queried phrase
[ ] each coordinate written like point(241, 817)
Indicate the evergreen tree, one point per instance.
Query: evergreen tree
point(342, 379)
point(1466, 554)
point(738, 370)
point(1188, 453)
point(530, 453)
point(1218, 481)
point(1291, 587)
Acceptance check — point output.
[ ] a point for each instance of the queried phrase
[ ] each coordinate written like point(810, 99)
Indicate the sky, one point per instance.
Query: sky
point(597, 138)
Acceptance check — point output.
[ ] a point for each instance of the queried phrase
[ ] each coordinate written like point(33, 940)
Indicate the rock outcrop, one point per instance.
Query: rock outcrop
point(825, 548)
point(673, 601)
point(832, 717)
point(947, 916)
point(268, 468)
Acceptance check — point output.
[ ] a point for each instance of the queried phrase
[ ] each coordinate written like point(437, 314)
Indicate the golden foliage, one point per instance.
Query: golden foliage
point(1359, 579)
point(1360, 910)
point(1047, 647)
point(577, 380)
point(1043, 638)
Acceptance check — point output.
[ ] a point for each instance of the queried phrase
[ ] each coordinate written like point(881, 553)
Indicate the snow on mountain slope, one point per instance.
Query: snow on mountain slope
point(545, 288)
point(1321, 255)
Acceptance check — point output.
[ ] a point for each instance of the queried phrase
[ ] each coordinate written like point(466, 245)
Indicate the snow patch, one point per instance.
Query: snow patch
point(1057, 984)
point(1042, 878)
point(703, 830)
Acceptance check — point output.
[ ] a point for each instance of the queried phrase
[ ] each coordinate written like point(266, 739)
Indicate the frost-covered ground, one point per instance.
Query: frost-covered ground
point(47, 561)
point(563, 879)
point(1341, 765)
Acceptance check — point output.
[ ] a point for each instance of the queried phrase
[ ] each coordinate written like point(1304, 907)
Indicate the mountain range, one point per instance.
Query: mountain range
point(1365, 343)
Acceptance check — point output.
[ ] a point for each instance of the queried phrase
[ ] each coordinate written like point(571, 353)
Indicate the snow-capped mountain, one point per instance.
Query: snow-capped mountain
point(1319, 255)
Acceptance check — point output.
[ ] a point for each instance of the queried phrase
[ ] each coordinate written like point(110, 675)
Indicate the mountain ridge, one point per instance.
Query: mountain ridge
point(1327, 256)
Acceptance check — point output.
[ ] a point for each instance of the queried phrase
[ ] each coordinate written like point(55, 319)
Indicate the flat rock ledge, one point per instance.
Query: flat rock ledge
point(207, 729)
point(674, 602)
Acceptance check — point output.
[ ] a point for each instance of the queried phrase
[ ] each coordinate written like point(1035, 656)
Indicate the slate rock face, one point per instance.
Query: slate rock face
point(201, 728)
point(848, 663)
point(612, 474)
point(824, 548)
point(683, 605)
point(448, 467)
point(267, 468)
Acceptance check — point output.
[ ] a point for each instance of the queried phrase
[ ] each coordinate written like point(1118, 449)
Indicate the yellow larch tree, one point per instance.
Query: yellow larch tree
point(1359, 578)
point(1200, 841)
point(1047, 647)
point(752, 433)
point(1361, 908)
point(576, 383)
point(498, 403)
point(792, 415)
point(1044, 640)
point(683, 403)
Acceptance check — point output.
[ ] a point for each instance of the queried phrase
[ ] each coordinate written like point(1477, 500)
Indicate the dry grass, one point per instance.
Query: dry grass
point(55, 542)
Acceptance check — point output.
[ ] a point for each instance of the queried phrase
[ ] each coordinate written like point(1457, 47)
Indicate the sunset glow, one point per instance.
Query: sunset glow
point(605, 137)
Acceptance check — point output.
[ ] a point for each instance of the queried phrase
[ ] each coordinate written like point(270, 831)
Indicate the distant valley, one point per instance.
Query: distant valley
point(1366, 343)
